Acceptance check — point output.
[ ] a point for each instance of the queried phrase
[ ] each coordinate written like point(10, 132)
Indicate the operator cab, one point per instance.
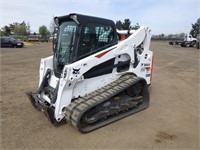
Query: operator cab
point(79, 36)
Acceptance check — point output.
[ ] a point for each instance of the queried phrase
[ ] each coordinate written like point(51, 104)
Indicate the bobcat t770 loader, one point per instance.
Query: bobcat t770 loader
point(93, 77)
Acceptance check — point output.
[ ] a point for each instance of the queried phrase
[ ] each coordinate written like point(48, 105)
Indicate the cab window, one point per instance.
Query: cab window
point(95, 37)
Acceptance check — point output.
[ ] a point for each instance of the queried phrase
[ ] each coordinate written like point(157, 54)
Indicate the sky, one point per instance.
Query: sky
point(161, 16)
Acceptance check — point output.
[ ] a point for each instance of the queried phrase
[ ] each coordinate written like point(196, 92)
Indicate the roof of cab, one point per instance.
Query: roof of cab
point(82, 19)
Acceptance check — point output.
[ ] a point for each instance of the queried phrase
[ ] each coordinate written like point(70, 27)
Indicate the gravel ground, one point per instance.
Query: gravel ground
point(171, 121)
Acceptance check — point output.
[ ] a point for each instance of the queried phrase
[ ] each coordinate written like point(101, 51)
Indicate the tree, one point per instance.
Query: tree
point(181, 35)
point(135, 27)
point(43, 30)
point(171, 36)
point(1, 33)
point(6, 30)
point(19, 30)
point(160, 36)
point(195, 28)
point(126, 25)
point(28, 28)
point(119, 25)
point(16, 28)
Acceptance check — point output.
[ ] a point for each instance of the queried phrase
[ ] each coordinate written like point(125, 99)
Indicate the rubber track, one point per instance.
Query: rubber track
point(78, 107)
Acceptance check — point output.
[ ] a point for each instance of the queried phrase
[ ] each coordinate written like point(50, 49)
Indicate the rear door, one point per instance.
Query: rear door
point(6, 42)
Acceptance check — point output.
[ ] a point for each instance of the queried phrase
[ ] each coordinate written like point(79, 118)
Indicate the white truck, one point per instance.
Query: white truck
point(188, 41)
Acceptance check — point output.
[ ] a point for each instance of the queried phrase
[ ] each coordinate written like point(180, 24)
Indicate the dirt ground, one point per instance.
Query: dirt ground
point(171, 121)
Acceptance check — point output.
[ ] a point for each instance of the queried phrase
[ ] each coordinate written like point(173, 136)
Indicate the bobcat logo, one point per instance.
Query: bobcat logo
point(76, 71)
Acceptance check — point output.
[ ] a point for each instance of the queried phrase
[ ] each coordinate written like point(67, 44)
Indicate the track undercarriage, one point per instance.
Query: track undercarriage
point(123, 97)
point(117, 100)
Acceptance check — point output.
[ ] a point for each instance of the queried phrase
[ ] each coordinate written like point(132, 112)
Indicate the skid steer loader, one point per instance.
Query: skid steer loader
point(93, 77)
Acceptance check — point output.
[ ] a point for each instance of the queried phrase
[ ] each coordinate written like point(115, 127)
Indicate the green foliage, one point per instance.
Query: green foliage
point(181, 35)
point(6, 30)
point(168, 37)
point(195, 28)
point(43, 30)
point(19, 30)
point(23, 39)
point(119, 25)
point(16, 29)
point(126, 25)
point(135, 27)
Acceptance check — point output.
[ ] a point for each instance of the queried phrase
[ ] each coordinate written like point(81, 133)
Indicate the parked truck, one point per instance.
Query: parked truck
point(188, 41)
